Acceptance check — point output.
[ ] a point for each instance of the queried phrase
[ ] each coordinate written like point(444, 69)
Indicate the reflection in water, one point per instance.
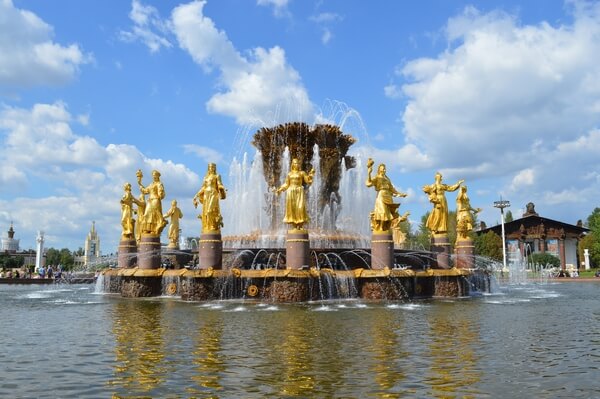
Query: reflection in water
point(453, 345)
point(139, 347)
point(207, 355)
point(387, 351)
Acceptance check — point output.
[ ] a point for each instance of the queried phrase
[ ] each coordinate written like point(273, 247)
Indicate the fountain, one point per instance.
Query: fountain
point(301, 177)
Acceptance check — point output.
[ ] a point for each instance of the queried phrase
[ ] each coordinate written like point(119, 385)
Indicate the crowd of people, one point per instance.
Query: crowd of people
point(53, 272)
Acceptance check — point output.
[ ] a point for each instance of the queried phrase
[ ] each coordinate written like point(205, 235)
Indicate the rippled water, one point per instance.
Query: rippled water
point(528, 341)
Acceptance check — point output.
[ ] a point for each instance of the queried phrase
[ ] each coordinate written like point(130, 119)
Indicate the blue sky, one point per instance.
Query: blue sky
point(503, 94)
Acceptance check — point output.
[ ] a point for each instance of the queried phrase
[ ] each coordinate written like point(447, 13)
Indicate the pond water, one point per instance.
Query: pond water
point(525, 341)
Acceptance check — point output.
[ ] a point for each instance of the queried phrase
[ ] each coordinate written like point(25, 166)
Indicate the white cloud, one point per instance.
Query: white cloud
point(279, 7)
point(81, 179)
point(259, 89)
point(325, 20)
point(509, 100)
point(148, 27)
point(326, 36)
point(204, 153)
point(34, 58)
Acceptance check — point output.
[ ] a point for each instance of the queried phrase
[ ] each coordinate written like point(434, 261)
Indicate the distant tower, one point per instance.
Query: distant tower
point(39, 256)
point(10, 244)
point(92, 246)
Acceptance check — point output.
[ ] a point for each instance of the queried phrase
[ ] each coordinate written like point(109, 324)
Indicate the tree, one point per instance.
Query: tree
point(489, 244)
point(52, 256)
point(592, 240)
point(508, 217)
point(545, 260)
point(66, 259)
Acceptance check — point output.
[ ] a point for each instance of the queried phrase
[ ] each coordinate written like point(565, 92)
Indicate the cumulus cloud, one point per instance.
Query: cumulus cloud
point(148, 27)
point(507, 99)
point(81, 178)
point(34, 58)
point(258, 89)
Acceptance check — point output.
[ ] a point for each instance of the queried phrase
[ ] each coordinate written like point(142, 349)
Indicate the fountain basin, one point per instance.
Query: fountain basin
point(289, 285)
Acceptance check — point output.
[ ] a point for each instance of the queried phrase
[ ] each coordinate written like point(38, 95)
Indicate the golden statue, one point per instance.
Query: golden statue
point(437, 222)
point(127, 221)
point(295, 202)
point(210, 193)
point(141, 208)
point(385, 210)
point(464, 214)
point(153, 221)
point(175, 214)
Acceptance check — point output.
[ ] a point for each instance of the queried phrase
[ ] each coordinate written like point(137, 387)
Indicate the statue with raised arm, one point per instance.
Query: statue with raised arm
point(153, 221)
point(209, 195)
point(437, 222)
point(127, 221)
point(385, 210)
point(464, 214)
point(295, 200)
point(175, 214)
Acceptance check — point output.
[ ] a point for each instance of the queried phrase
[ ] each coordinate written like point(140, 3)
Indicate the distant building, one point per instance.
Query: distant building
point(91, 249)
point(9, 243)
point(536, 234)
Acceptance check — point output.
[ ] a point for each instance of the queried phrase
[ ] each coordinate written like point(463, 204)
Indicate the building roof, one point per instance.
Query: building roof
point(534, 220)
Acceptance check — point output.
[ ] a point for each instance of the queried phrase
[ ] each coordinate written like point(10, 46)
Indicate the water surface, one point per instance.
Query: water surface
point(64, 341)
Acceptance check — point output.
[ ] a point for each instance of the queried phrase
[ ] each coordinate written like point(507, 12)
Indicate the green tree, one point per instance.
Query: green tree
point(592, 240)
point(52, 256)
point(508, 217)
point(422, 236)
point(66, 259)
point(488, 244)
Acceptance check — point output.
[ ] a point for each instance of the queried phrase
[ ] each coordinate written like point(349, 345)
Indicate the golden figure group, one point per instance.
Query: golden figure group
point(384, 217)
point(295, 201)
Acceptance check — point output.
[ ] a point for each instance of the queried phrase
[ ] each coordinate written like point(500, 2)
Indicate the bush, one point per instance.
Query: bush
point(545, 260)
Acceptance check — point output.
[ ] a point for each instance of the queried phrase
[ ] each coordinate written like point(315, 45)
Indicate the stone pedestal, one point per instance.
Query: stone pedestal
point(211, 251)
point(149, 252)
point(297, 249)
point(441, 246)
point(127, 253)
point(464, 253)
point(382, 250)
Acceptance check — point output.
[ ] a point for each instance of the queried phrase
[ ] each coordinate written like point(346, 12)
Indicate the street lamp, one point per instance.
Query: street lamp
point(503, 204)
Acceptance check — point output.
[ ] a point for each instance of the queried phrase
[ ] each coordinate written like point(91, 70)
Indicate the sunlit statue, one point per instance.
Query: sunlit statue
point(153, 221)
point(385, 210)
point(127, 221)
point(141, 208)
point(437, 222)
point(175, 214)
point(464, 214)
point(295, 200)
point(210, 193)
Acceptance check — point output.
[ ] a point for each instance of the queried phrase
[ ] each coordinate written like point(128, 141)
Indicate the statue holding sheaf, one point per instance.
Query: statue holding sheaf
point(295, 200)
point(153, 221)
point(209, 195)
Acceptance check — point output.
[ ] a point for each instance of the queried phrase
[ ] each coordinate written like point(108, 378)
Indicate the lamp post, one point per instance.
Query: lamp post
point(503, 204)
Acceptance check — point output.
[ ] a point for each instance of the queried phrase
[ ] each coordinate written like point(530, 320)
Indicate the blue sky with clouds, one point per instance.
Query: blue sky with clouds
point(503, 94)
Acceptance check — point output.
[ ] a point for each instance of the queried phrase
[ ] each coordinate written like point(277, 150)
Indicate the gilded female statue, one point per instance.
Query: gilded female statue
point(210, 193)
point(464, 213)
point(141, 208)
point(127, 221)
point(437, 222)
point(153, 220)
point(295, 202)
point(175, 214)
point(385, 210)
